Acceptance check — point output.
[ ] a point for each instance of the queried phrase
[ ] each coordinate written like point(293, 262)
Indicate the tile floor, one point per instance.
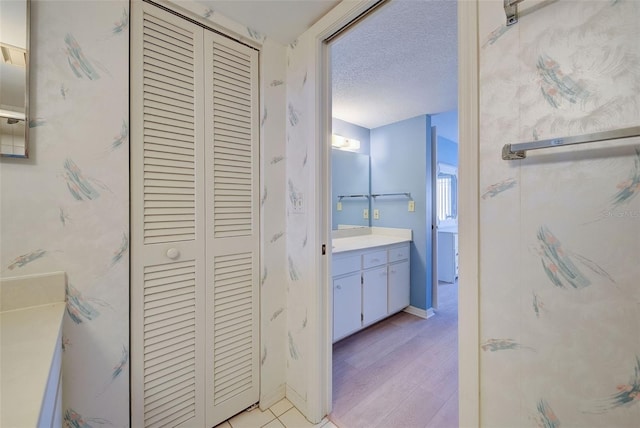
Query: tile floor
point(280, 415)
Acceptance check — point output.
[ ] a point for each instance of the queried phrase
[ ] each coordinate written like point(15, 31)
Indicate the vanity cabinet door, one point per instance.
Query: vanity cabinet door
point(398, 286)
point(374, 295)
point(347, 305)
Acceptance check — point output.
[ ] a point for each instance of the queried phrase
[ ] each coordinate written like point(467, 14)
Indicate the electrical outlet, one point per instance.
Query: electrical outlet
point(412, 206)
point(365, 213)
point(376, 214)
point(339, 206)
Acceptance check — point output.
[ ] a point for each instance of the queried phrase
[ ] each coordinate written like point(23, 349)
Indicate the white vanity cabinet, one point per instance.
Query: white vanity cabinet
point(368, 285)
point(374, 287)
point(398, 280)
point(347, 294)
point(447, 256)
point(346, 304)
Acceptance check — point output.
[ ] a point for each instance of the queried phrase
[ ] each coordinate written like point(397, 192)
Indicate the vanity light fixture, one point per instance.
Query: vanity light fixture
point(342, 143)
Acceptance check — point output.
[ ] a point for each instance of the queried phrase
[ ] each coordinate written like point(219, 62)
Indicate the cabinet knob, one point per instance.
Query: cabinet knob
point(339, 287)
point(173, 253)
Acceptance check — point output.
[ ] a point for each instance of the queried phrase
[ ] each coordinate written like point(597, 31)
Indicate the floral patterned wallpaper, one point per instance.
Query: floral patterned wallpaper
point(67, 207)
point(560, 230)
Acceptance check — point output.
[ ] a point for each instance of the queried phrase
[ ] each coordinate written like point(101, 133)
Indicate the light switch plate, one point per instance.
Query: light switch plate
point(339, 206)
point(365, 213)
point(376, 214)
point(412, 206)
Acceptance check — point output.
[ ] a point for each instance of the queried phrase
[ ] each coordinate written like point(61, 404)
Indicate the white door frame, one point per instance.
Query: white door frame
point(469, 215)
point(320, 387)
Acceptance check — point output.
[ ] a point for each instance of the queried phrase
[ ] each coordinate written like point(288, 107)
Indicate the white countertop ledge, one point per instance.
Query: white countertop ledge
point(364, 238)
point(30, 336)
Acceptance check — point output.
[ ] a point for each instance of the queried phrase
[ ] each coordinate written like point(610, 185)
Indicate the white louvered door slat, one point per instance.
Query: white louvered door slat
point(195, 224)
point(167, 214)
point(232, 227)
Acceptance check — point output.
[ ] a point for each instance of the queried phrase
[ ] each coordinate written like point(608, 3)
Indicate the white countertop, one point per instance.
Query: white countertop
point(377, 237)
point(29, 338)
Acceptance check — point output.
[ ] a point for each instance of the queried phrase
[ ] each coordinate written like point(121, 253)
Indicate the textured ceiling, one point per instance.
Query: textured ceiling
point(398, 63)
point(281, 20)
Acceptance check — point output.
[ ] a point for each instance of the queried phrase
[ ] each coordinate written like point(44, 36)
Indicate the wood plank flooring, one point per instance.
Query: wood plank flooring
point(401, 372)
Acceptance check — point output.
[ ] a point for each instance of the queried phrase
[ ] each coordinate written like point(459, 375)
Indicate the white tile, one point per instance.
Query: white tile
point(281, 406)
point(274, 424)
point(224, 424)
point(292, 418)
point(329, 424)
point(252, 419)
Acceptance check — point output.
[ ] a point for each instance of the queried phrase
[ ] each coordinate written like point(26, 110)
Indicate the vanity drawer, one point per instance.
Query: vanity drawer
point(374, 259)
point(399, 253)
point(343, 265)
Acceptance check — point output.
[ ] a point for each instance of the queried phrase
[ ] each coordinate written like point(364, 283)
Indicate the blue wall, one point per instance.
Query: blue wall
point(447, 151)
point(446, 124)
point(401, 162)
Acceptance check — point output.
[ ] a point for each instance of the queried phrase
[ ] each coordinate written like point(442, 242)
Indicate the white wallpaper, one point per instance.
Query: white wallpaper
point(67, 207)
point(560, 231)
point(273, 279)
point(300, 226)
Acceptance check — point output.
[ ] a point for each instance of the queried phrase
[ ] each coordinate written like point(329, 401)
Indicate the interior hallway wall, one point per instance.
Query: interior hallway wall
point(560, 231)
point(401, 162)
point(67, 207)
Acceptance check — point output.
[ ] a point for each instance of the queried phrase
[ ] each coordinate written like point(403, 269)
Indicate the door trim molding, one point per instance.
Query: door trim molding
point(319, 395)
point(468, 222)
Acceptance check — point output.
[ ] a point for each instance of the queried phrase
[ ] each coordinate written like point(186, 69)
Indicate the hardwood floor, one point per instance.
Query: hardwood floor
point(401, 372)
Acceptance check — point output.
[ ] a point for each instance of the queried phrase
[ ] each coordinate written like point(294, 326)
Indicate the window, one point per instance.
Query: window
point(447, 194)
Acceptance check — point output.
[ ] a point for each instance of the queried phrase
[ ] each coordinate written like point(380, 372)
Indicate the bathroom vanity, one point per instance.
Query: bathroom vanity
point(370, 277)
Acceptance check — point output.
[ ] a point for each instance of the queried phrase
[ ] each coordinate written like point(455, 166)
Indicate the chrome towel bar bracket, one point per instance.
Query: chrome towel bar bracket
point(519, 151)
point(511, 10)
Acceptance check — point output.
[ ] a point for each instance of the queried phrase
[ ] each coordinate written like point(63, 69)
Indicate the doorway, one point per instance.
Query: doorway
point(373, 211)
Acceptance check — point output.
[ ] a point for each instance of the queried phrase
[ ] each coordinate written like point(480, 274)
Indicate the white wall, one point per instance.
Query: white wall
point(560, 231)
point(273, 282)
point(67, 207)
point(301, 239)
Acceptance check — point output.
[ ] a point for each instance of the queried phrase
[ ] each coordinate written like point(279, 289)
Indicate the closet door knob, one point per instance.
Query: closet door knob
point(173, 253)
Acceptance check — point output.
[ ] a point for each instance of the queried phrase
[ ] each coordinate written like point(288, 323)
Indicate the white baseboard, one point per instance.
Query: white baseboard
point(420, 312)
point(272, 398)
point(297, 400)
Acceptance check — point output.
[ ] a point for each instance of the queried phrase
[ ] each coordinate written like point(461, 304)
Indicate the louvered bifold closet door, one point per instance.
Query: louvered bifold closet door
point(232, 195)
point(167, 233)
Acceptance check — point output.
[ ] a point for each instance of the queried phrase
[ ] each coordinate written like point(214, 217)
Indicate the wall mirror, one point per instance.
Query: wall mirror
point(14, 78)
point(447, 195)
point(350, 178)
